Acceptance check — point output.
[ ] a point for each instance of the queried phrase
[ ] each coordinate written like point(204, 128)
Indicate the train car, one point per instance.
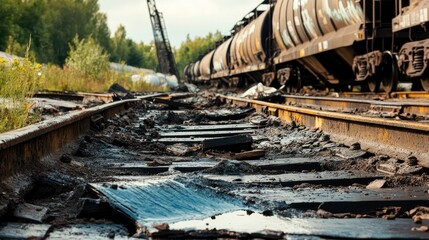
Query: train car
point(340, 43)
point(222, 61)
point(251, 50)
point(187, 72)
point(196, 72)
point(412, 21)
point(206, 67)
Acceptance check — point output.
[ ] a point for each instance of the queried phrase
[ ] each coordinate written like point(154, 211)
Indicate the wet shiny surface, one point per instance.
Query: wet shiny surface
point(166, 201)
point(242, 221)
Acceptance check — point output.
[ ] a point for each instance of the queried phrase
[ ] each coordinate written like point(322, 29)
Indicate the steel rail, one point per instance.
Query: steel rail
point(395, 138)
point(25, 147)
point(397, 95)
point(76, 96)
point(420, 108)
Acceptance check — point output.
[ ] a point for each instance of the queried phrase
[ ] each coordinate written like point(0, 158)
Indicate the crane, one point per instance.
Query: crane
point(166, 61)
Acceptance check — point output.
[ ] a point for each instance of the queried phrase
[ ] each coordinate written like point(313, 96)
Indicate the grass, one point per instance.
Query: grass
point(21, 78)
point(18, 80)
point(86, 70)
point(55, 78)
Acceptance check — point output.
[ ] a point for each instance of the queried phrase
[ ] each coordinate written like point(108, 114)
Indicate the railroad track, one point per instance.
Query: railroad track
point(151, 170)
point(400, 138)
point(386, 108)
point(393, 95)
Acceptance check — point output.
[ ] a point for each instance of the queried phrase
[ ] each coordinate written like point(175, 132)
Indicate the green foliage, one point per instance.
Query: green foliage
point(134, 54)
point(18, 80)
point(190, 50)
point(52, 24)
point(8, 14)
point(65, 79)
point(120, 48)
point(88, 58)
point(149, 59)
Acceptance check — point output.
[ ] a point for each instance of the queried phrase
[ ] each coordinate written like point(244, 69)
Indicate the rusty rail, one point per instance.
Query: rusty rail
point(394, 138)
point(395, 95)
point(420, 108)
point(26, 146)
point(77, 96)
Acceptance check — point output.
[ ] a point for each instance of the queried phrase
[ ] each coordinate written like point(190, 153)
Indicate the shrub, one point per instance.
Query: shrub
point(87, 58)
point(18, 80)
point(87, 69)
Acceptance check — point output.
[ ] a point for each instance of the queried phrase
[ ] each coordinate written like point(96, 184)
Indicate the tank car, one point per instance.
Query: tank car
point(339, 43)
point(412, 21)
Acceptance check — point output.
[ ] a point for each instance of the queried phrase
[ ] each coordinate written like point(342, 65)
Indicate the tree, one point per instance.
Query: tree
point(87, 57)
point(190, 50)
point(150, 59)
point(101, 31)
point(31, 25)
point(120, 46)
point(53, 24)
point(8, 14)
point(135, 57)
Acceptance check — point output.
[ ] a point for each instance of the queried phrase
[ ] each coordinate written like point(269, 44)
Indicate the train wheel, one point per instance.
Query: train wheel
point(390, 73)
point(374, 84)
point(215, 84)
point(234, 82)
point(268, 81)
point(293, 85)
point(282, 81)
point(425, 83)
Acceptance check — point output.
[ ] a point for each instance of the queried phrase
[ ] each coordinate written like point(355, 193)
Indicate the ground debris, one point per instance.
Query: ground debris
point(349, 153)
point(387, 168)
point(179, 149)
point(325, 214)
point(394, 166)
point(419, 214)
point(189, 150)
point(120, 92)
point(421, 229)
point(31, 212)
point(389, 213)
point(89, 231)
point(236, 143)
point(227, 167)
point(89, 207)
point(376, 184)
point(98, 122)
point(249, 155)
point(258, 91)
point(158, 162)
point(228, 114)
point(162, 227)
point(171, 117)
point(173, 105)
point(23, 231)
point(66, 158)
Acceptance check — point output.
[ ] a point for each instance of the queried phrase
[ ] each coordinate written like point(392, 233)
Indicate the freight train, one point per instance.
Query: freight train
point(374, 44)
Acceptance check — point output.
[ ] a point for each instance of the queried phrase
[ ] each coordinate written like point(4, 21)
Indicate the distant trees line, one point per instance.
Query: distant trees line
point(53, 24)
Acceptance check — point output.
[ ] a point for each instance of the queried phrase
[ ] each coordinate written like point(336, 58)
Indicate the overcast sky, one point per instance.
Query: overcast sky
point(182, 17)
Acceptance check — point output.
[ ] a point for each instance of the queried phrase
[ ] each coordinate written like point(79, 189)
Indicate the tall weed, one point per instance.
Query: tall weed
point(18, 80)
point(87, 69)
